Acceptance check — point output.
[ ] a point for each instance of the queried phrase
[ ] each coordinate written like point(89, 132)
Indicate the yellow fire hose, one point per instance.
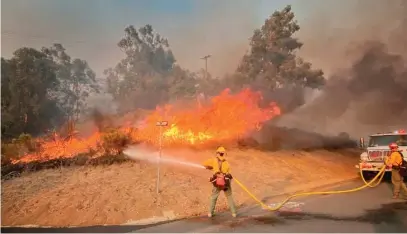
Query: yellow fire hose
point(378, 178)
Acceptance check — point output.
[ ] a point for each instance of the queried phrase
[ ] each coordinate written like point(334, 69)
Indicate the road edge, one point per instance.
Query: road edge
point(211, 229)
point(330, 184)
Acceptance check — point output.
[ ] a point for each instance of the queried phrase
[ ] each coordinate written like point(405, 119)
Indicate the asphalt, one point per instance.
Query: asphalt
point(369, 210)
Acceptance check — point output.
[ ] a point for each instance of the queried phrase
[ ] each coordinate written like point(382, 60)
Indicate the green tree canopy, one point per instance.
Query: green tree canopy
point(272, 61)
point(42, 89)
point(148, 74)
point(28, 103)
point(77, 81)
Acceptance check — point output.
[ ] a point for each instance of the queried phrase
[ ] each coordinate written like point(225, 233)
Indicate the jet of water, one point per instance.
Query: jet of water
point(153, 157)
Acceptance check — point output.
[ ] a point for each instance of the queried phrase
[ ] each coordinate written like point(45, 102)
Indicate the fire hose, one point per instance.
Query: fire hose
point(373, 183)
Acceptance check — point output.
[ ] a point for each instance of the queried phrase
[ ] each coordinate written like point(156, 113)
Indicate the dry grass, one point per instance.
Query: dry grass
point(117, 193)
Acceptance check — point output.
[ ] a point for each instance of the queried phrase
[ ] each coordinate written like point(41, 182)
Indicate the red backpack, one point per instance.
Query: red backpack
point(220, 178)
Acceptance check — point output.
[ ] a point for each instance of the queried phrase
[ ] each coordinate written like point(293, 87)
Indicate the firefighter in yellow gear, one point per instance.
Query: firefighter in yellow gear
point(395, 161)
point(221, 180)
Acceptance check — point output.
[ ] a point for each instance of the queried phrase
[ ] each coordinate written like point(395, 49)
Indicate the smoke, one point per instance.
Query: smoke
point(366, 67)
point(276, 138)
point(333, 32)
point(360, 46)
point(100, 120)
point(219, 28)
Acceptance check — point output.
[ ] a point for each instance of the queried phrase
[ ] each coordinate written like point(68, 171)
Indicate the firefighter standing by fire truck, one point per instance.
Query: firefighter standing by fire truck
point(394, 161)
point(221, 180)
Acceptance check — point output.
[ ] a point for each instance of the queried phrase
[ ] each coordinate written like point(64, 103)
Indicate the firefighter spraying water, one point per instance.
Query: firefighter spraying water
point(221, 180)
point(372, 161)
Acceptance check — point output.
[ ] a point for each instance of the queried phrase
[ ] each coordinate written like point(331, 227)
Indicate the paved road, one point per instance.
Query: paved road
point(370, 210)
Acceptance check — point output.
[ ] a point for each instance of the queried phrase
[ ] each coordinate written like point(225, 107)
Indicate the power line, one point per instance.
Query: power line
point(206, 64)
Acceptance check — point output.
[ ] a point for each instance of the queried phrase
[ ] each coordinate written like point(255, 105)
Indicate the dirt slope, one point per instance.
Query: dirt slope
point(119, 193)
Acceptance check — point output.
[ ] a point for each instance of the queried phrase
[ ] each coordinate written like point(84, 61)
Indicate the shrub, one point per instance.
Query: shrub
point(115, 141)
point(18, 147)
point(25, 140)
point(9, 152)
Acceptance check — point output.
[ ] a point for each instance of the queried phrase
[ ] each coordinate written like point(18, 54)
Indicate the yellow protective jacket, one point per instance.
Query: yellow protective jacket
point(395, 159)
point(213, 164)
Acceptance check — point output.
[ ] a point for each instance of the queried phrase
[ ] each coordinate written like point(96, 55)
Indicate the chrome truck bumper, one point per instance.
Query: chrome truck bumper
point(371, 166)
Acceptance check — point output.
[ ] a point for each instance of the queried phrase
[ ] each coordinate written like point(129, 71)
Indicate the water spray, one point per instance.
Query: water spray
point(137, 153)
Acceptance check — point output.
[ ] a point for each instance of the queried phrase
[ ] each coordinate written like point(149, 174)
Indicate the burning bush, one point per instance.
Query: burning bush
point(9, 171)
point(17, 148)
point(26, 141)
point(9, 152)
point(225, 118)
point(115, 141)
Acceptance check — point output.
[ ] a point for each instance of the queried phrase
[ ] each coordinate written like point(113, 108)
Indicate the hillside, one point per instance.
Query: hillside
point(118, 193)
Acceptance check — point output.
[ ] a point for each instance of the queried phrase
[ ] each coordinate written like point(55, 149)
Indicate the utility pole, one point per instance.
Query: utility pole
point(160, 124)
point(25, 122)
point(206, 64)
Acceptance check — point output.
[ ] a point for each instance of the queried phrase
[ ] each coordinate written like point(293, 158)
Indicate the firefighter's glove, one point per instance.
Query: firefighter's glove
point(212, 178)
point(228, 176)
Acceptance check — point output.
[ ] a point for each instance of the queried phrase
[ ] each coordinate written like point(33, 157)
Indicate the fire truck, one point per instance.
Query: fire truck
point(372, 159)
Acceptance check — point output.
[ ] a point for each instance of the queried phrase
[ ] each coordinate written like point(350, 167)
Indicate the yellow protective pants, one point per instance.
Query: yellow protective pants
point(398, 183)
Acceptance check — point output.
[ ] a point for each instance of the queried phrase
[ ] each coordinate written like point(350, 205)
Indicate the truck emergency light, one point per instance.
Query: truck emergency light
point(399, 131)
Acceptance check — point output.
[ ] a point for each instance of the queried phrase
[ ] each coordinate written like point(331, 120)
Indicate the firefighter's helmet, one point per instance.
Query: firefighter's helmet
point(393, 146)
point(221, 149)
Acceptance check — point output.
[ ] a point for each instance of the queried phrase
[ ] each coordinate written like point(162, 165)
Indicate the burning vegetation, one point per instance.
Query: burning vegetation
point(48, 89)
point(148, 75)
point(226, 117)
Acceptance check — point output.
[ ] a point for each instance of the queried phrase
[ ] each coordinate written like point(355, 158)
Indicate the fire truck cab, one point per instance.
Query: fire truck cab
point(372, 159)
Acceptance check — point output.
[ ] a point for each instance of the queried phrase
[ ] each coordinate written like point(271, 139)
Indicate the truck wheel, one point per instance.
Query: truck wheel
point(368, 175)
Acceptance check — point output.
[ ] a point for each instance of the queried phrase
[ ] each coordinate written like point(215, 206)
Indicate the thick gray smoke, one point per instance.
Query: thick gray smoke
point(370, 97)
point(370, 94)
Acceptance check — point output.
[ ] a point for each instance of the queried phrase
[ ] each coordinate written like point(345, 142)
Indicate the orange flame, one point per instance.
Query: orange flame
point(226, 117)
point(60, 148)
